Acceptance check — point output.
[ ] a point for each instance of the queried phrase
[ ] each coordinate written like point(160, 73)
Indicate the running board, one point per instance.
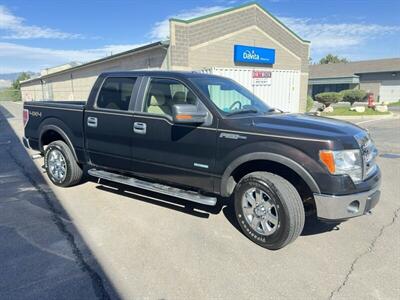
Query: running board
point(154, 187)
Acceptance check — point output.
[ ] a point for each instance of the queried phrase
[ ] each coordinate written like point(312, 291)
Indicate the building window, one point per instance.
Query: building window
point(323, 88)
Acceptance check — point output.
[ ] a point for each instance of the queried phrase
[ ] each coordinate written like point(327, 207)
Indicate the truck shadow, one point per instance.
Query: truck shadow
point(312, 225)
point(42, 253)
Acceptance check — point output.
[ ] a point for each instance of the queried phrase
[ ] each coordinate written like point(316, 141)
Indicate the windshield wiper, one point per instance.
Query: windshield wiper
point(275, 109)
point(243, 111)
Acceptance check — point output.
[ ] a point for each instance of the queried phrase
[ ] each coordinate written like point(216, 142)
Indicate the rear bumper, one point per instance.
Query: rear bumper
point(339, 208)
point(25, 141)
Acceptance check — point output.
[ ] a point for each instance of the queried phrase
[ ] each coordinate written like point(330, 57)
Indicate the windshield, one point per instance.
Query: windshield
point(229, 97)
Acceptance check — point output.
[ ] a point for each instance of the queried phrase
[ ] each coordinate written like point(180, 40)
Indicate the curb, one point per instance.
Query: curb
point(365, 117)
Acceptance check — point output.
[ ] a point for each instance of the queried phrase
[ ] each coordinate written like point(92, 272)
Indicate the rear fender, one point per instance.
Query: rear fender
point(63, 132)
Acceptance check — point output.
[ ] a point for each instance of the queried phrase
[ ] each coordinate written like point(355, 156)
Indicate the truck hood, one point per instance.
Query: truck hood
point(302, 126)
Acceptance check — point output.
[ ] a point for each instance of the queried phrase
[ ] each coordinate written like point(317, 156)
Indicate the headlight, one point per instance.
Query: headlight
point(343, 162)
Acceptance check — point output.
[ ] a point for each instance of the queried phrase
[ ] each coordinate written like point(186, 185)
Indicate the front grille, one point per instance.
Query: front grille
point(368, 153)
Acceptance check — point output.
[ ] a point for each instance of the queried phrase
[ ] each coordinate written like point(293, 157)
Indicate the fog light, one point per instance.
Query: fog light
point(353, 207)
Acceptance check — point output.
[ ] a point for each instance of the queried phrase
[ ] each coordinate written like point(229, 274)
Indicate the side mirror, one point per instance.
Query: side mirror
point(188, 113)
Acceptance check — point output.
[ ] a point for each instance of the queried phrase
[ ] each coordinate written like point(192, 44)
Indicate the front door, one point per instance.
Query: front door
point(168, 152)
point(109, 124)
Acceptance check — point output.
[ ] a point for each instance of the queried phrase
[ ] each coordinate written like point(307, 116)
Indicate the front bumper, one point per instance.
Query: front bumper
point(337, 208)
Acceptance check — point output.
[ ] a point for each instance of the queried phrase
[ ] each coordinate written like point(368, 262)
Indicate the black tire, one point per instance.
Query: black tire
point(73, 172)
point(287, 209)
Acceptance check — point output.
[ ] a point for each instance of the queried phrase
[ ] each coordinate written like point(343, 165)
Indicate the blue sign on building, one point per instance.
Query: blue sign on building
point(254, 55)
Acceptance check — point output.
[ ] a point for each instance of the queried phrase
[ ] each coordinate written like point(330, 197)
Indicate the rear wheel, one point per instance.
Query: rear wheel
point(61, 166)
point(269, 209)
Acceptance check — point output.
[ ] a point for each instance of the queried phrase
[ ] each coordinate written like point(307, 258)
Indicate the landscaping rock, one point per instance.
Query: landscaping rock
point(328, 109)
point(341, 104)
point(359, 109)
point(317, 106)
point(381, 108)
point(360, 104)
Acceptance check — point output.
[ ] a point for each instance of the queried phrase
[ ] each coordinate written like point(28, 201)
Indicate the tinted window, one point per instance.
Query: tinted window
point(116, 93)
point(163, 93)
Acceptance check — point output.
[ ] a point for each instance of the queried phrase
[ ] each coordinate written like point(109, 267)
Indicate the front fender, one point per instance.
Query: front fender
point(296, 160)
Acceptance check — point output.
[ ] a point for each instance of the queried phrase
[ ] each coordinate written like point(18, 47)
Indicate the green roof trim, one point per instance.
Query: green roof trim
point(236, 8)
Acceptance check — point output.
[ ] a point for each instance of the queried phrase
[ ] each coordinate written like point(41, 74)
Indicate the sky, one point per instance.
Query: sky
point(44, 33)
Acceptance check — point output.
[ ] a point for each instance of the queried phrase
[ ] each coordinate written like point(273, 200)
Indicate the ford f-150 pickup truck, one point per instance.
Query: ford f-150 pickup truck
point(200, 137)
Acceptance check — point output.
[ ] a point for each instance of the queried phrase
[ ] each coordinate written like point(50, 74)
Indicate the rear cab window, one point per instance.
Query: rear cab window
point(116, 93)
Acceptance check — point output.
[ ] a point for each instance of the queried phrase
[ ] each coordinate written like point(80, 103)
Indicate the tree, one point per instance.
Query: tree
point(332, 59)
point(13, 93)
point(328, 98)
point(16, 85)
point(354, 96)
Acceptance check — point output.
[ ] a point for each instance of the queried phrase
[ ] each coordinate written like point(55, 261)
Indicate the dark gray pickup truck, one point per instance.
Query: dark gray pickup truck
point(197, 136)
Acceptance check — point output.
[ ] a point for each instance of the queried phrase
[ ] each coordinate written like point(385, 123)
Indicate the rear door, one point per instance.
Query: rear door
point(109, 123)
point(168, 152)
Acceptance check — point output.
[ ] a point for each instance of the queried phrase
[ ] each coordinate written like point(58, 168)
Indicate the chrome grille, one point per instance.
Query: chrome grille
point(368, 153)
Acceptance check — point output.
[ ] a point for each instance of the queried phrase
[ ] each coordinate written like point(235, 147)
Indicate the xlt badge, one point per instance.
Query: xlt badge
point(232, 136)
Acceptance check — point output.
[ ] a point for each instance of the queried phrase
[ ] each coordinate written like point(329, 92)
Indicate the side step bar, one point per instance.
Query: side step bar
point(154, 187)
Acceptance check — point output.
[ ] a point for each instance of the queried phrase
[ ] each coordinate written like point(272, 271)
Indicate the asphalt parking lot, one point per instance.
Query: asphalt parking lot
point(95, 242)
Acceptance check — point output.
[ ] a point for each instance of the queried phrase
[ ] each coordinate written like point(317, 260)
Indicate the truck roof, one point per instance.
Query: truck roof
point(178, 74)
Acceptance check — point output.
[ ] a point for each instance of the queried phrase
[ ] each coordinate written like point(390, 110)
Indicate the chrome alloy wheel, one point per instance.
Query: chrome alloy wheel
point(260, 211)
point(57, 165)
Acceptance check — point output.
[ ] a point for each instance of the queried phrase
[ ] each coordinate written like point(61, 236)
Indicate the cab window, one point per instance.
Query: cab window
point(163, 93)
point(116, 93)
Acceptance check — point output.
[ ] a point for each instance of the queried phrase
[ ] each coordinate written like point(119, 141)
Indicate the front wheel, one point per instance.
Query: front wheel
point(269, 210)
point(61, 166)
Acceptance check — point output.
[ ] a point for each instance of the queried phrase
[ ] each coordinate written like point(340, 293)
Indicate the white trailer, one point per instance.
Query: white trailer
point(278, 88)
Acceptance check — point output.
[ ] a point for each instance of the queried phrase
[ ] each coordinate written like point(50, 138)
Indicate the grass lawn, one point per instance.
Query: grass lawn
point(394, 103)
point(344, 111)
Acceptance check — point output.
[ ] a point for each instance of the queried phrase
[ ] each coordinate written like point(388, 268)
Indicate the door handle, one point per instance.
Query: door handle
point(92, 122)
point(139, 127)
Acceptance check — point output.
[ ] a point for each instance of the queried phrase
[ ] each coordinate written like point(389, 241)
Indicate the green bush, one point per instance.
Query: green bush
point(9, 94)
point(310, 103)
point(328, 98)
point(354, 95)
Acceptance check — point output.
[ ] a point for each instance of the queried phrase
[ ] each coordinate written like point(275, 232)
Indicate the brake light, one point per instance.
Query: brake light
point(25, 116)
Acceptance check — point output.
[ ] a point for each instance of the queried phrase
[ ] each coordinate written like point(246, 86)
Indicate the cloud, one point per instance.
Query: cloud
point(16, 28)
point(160, 29)
point(342, 36)
point(17, 58)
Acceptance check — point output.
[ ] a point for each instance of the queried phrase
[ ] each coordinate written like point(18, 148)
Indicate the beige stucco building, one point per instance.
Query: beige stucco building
point(197, 44)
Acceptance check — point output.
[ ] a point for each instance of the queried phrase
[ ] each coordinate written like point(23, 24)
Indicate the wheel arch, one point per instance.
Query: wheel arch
point(49, 130)
point(257, 162)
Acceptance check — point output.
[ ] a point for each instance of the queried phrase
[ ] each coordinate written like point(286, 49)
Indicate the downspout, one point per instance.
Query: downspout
point(72, 87)
point(167, 56)
point(41, 83)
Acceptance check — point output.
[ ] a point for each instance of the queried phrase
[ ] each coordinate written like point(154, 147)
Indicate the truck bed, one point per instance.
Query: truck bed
point(66, 115)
